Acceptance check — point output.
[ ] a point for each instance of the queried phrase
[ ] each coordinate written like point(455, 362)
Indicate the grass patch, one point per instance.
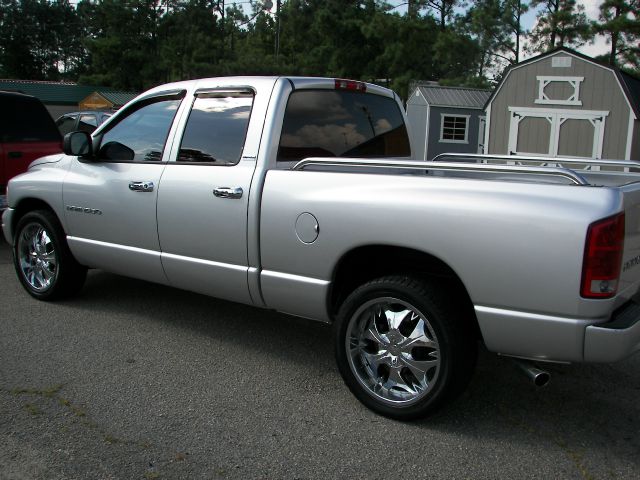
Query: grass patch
point(32, 409)
point(44, 392)
point(110, 439)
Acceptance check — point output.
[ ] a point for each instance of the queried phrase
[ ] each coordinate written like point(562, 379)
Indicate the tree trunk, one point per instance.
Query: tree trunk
point(615, 36)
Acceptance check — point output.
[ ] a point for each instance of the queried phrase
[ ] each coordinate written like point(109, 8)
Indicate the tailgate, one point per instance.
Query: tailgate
point(630, 273)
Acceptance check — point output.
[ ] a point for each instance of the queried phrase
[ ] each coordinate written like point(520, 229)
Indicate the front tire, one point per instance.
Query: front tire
point(42, 259)
point(402, 347)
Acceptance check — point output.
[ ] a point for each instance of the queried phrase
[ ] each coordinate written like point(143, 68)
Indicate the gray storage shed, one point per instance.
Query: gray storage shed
point(565, 104)
point(446, 120)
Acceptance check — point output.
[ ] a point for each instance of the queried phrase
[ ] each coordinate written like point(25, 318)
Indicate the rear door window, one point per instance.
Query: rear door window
point(332, 123)
point(216, 128)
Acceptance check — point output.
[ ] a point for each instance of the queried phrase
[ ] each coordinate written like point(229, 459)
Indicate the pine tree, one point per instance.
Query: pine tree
point(560, 23)
point(619, 21)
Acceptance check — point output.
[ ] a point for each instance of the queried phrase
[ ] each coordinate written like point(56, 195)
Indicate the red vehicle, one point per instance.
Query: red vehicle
point(27, 132)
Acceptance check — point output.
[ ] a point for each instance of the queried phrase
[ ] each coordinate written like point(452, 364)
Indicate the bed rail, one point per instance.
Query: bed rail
point(454, 166)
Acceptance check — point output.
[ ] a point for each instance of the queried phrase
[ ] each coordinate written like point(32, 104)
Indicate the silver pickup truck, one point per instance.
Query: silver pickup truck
point(300, 195)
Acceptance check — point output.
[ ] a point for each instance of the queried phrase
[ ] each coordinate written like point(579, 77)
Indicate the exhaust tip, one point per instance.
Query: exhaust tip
point(541, 379)
point(538, 377)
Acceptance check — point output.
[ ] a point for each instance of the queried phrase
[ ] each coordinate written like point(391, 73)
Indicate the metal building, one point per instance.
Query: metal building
point(565, 104)
point(446, 120)
point(64, 97)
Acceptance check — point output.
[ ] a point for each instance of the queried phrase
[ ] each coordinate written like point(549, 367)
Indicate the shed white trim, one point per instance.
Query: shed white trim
point(487, 129)
point(556, 117)
point(426, 133)
point(627, 151)
point(573, 99)
point(466, 128)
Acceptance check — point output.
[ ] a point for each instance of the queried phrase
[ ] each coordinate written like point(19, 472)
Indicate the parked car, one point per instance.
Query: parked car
point(27, 132)
point(300, 195)
point(85, 121)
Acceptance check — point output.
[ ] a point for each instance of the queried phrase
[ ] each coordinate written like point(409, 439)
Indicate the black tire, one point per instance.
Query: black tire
point(379, 345)
point(42, 259)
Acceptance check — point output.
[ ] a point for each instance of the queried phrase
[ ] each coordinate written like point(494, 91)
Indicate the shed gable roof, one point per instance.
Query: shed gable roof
point(629, 84)
point(461, 97)
point(118, 98)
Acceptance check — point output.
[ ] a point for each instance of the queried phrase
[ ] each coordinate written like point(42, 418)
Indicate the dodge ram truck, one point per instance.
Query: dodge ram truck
point(300, 195)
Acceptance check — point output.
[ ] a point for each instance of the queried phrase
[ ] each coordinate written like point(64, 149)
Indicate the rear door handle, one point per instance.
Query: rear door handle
point(141, 186)
point(15, 154)
point(228, 192)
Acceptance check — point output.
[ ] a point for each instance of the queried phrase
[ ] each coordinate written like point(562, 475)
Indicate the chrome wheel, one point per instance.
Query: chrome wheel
point(393, 351)
point(37, 258)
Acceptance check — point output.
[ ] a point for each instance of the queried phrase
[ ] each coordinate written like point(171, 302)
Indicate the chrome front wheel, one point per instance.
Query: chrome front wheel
point(37, 257)
point(44, 264)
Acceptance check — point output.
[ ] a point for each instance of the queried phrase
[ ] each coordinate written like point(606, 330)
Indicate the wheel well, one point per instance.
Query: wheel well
point(364, 264)
point(28, 205)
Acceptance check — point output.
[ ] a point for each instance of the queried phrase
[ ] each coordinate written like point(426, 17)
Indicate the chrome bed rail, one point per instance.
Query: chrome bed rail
point(587, 163)
point(455, 166)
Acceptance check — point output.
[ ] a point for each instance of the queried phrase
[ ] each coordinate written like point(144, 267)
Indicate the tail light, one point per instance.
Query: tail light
point(350, 85)
point(603, 258)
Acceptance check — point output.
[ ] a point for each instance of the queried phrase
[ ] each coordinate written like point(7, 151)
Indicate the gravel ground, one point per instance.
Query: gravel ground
point(134, 380)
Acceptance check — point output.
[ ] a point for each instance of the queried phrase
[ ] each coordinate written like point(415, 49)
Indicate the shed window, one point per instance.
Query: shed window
point(559, 90)
point(454, 129)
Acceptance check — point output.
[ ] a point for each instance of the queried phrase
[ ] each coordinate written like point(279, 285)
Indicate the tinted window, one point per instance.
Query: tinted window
point(216, 129)
point(141, 135)
point(88, 123)
point(328, 123)
point(25, 119)
point(66, 124)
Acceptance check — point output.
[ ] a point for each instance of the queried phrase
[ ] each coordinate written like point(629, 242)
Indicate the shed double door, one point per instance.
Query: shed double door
point(572, 134)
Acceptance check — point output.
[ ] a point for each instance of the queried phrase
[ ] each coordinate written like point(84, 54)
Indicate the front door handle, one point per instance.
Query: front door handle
point(141, 186)
point(227, 192)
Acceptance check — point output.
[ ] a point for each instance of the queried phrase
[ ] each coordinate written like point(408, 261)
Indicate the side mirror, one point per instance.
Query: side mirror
point(77, 144)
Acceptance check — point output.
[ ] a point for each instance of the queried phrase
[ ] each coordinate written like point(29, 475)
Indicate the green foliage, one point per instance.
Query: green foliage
point(619, 21)
point(560, 23)
point(39, 39)
point(137, 44)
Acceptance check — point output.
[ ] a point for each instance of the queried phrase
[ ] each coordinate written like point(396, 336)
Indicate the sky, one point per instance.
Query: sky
point(592, 10)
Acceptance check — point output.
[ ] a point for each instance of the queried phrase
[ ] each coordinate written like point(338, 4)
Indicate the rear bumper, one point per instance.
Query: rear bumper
point(561, 339)
point(616, 339)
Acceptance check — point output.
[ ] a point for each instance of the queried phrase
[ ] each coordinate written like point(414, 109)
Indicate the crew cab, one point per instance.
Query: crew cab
point(300, 195)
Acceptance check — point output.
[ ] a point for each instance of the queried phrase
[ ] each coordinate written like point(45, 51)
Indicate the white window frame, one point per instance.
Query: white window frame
point(556, 118)
point(574, 99)
point(466, 128)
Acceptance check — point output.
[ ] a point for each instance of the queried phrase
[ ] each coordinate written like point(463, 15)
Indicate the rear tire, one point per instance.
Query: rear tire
point(402, 347)
point(42, 259)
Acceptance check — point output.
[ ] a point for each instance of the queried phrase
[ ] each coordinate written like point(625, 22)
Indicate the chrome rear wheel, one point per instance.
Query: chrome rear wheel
point(393, 350)
point(405, 345)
